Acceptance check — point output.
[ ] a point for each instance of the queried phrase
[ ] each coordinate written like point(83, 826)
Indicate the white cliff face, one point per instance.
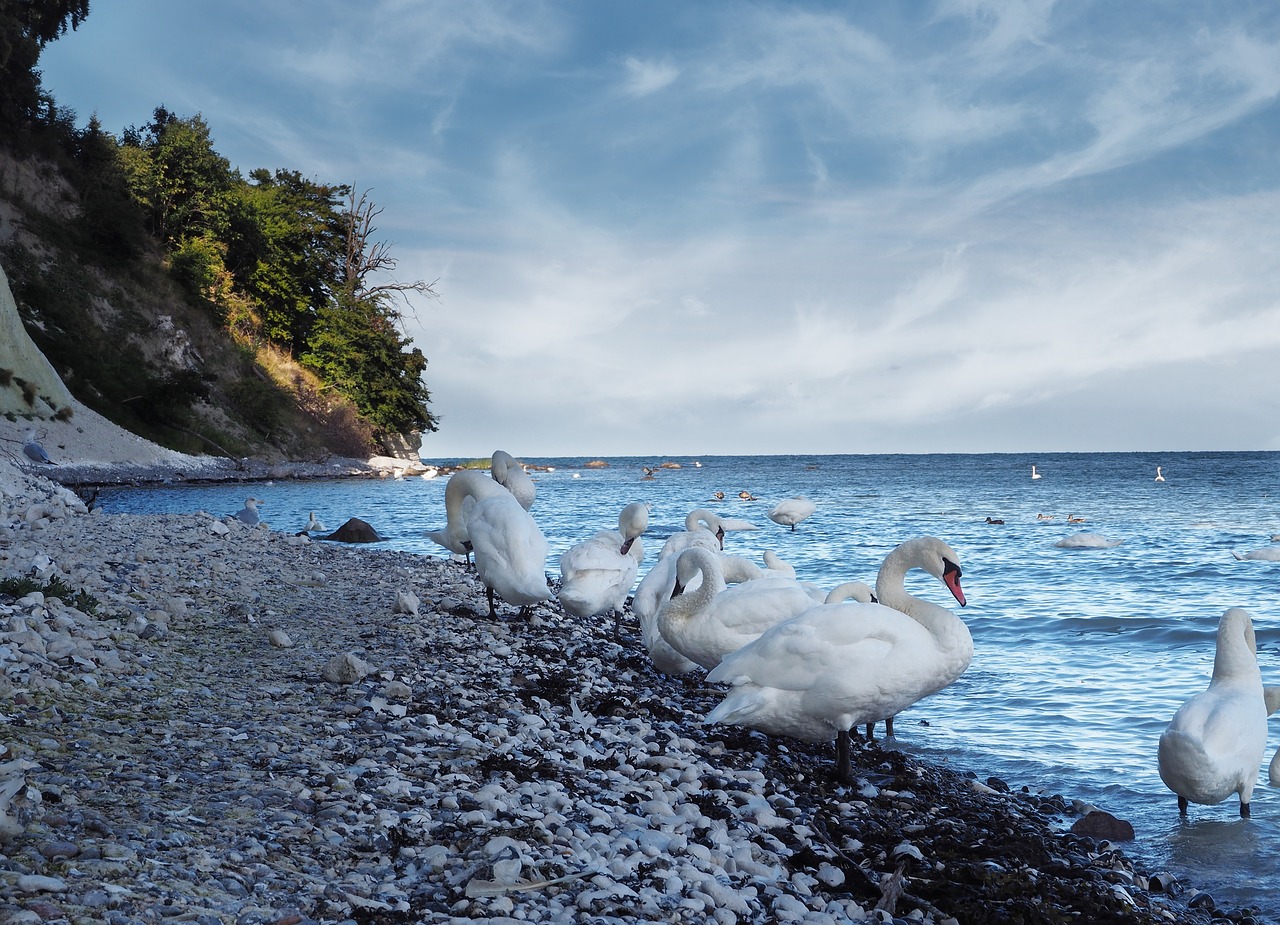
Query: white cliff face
point(32, 386)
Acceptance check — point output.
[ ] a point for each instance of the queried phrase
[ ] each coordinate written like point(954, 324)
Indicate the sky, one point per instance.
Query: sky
point(697, 228)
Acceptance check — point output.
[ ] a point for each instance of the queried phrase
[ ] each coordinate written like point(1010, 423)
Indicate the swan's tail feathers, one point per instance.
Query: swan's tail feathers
point(1238, 556)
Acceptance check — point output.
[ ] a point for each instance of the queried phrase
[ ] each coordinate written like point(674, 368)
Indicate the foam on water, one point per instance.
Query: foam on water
point(1081, 655)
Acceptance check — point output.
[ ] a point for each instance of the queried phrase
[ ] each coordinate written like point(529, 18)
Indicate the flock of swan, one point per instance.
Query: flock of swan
point(809, 664)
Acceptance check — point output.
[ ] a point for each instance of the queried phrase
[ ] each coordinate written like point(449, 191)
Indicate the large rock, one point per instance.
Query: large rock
point(354, 530)
point(28, 383)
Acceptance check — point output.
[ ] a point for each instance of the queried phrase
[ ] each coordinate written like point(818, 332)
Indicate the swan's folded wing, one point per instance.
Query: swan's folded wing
point(792, 654)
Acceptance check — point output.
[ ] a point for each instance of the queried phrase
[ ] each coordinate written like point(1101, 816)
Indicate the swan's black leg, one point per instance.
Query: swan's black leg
point(493, 610)
point(871, 732)
point(1182, 806)
point(1244, 810)
point(888, 728)
point(844, 770)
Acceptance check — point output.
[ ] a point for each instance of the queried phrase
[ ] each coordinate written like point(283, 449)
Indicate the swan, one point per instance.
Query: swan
point(32, 449)
point(511, 475)
point(840, 665)
point(775, 566)
point(1034, 473)
point(792, 511)
point(1213, 747)
point(707, 623)
point(701, 528)
point(598, 573)
point(313, 525)
point(248, 514)
point(1086, 541)
point(462, 484)
point(1265, 554)
point(509, 549)
point(1159, 477)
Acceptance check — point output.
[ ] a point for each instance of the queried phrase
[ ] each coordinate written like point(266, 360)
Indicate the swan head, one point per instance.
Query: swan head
point(934, 556)
point(691, 563)
point(632, 522)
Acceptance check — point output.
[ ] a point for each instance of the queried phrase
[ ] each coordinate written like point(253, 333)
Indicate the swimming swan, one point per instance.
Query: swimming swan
point(707, 623)
point(1086, 541)
point(314, 525)
point(511, 475)
point(598, 573)
point(1159, 476)
point(1214, 745)
point(840, 665)
point(1034, 473)
point(792, 511)
point(1265, 554)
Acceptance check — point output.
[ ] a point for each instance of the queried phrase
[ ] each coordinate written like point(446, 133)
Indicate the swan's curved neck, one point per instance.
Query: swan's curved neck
point(891, 591)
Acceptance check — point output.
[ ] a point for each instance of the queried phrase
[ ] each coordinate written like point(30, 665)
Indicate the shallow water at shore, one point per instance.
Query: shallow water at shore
point(1082, 655)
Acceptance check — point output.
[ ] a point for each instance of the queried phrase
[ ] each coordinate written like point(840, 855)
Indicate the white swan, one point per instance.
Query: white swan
point(707, 623)
point(701, 528)
point(1086, 541)
point(511, 475)
point(313, 524)
point(841, 665)
point(1214, 745)
point(776, 566)
point(248, 514)
point(1034, 473)
point(1159, 476)
point(509, 549)
point(462, 484)
point(1265, 554)
point(655, 589)
point(792, 511)
point(598, 573)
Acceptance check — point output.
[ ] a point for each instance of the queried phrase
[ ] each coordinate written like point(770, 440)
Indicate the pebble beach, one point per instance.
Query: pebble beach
point(207, 722)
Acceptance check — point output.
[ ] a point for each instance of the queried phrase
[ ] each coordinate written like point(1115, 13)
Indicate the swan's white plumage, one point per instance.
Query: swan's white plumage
point(598, 573)
point(1265, 554)
point(1214, 745)
point(511, 475)
point(1086, 541)
point(839, 665)
point(313, 524)
point(462, 484)
point(701, 528)
point(792, 511)
point(1034, 473)
point(510, 551)
point(708, 622)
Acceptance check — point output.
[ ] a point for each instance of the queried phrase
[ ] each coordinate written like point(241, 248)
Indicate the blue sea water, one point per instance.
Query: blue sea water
point(1081, 655)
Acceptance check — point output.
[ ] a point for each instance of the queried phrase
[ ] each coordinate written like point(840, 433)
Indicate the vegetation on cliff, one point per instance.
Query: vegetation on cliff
point(202, 308)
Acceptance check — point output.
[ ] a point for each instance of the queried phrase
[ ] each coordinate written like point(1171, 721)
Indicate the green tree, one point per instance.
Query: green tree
point(26, 26)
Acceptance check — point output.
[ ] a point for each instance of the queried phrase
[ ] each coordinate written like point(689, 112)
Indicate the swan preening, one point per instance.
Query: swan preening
point(598, 573)
point(511, 475)
point(792, 511)
point(836, 666)
point(1214, 745)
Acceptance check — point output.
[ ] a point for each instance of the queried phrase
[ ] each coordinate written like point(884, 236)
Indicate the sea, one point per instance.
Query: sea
point(1081, 656)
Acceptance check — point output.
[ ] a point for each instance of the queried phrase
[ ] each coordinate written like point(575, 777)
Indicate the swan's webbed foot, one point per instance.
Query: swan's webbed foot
point(1182, 806)
point(493, 610)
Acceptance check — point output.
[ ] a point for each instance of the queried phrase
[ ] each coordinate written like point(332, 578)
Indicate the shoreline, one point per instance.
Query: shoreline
point(255, 727)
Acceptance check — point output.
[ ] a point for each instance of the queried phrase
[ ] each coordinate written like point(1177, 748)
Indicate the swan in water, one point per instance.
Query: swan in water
point(509, 549)
point(792, 511)
point(248, 515)
point(712, 620)
point(841, 665)
point(511, 475)
point(314, 525)
point(462, 484)
point(1214, 745)
point(701, 528)
point(1159, 476)
point(32, 449)
point(1034, 473)
point(598, 573)
point(1086, 541)
point(1265, 554)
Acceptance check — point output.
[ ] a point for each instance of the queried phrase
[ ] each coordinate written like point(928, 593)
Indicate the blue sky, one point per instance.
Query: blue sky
point(672, 228)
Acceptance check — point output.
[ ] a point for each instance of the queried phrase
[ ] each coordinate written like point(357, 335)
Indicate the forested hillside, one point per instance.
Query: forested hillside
point(207, 310)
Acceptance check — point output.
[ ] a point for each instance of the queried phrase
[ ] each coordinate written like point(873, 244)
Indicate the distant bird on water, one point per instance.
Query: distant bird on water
point(34, 451)
point(313, 524)
point(248, 514)
point(792, 511)
point(1159, 477)
point(1034, 473)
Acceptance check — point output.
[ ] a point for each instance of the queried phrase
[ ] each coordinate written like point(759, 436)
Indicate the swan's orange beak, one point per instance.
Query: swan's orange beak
point(951, 578)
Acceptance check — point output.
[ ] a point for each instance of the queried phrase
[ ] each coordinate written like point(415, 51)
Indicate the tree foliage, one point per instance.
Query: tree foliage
point(26, 26)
